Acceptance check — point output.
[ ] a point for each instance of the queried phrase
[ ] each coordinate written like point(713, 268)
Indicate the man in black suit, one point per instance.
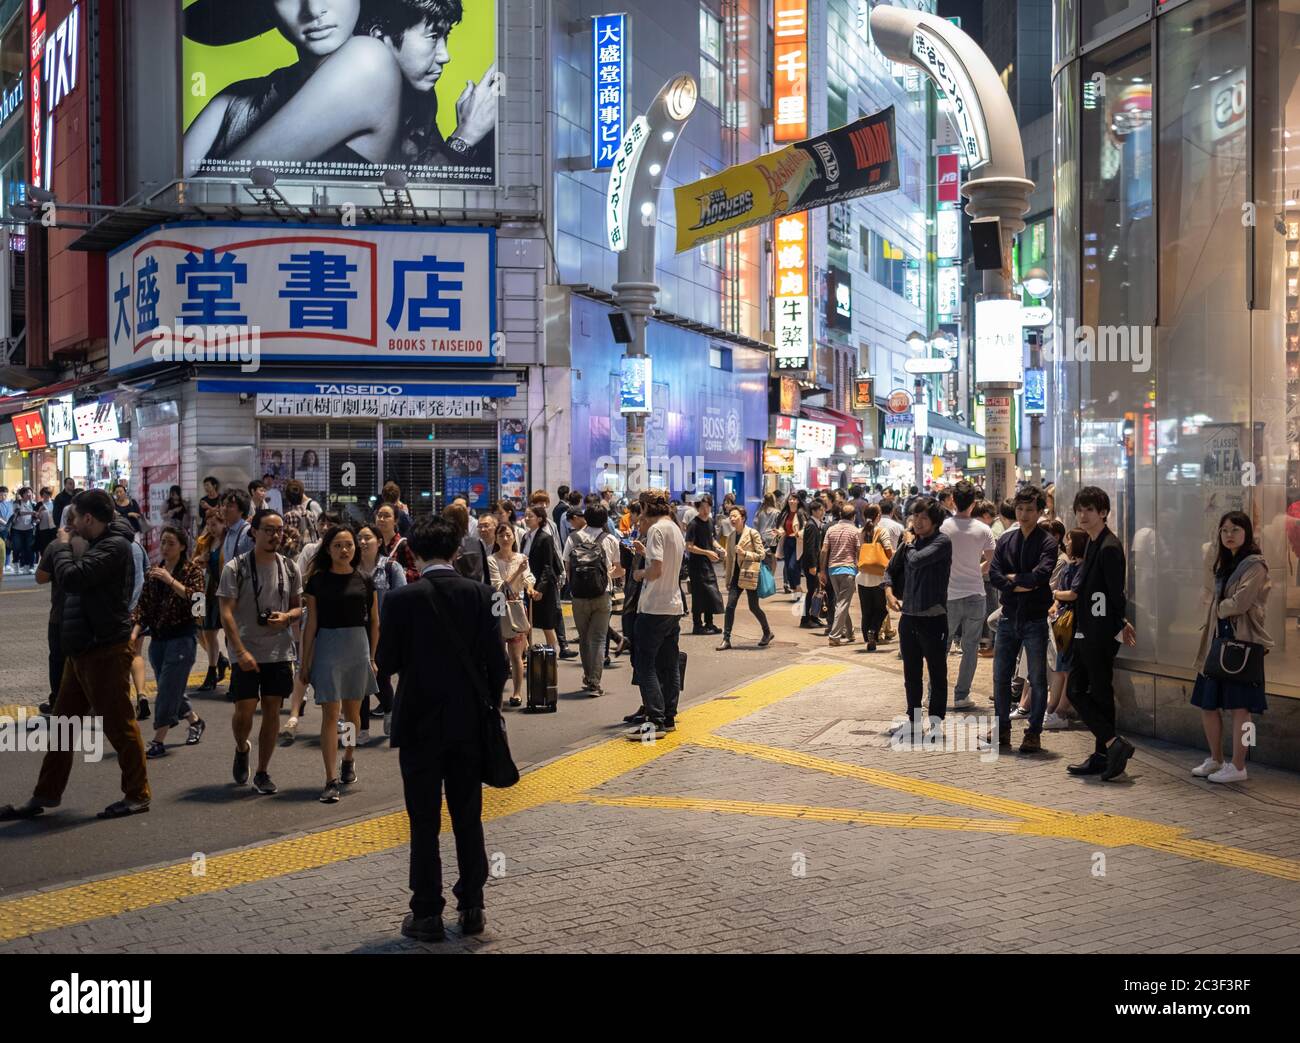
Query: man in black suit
point(441, 636)
point(1099, 626)
point(813, 534)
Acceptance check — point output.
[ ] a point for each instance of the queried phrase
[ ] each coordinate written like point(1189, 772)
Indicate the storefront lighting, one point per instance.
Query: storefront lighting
point(655, 168)
point(841, 466)
point(647, 208)
point(849, 450)
point(668, 135)
point(1037, 284)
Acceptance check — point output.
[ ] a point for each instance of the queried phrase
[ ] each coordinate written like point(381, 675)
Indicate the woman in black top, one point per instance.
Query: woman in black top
point(338, 648)
point(544, 564)
point(127, 507)
point(176, 513)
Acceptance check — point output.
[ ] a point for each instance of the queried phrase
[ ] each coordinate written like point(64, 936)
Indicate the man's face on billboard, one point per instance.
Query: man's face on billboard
point(318, 27)
point(421, 55)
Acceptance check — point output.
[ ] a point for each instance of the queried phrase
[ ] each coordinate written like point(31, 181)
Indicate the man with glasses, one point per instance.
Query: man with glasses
point(261, 598)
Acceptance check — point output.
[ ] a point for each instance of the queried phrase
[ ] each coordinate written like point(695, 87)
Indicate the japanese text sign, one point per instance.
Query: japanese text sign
point(790, 71)
point(608, 82)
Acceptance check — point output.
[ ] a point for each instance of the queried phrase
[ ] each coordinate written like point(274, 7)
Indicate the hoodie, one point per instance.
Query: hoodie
point(98, 587)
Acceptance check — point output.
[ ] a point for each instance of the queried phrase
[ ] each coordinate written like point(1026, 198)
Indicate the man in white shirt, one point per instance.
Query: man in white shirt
point(972, 550)
point(658, 622)
point(892, 525)
point(591, 563)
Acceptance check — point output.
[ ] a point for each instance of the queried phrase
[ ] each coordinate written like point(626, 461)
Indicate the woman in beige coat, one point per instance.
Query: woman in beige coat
point(1238, 585)
point(745, 554)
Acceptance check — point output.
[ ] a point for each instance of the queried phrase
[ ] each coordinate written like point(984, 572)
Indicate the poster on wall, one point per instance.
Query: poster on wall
point(312, 468)
point(513, 491)
point(474, 489)
point(512, 473)
point(311, 92)
point(278, 465)
point(1222, 470)
point(514, 436)
point(157, 484)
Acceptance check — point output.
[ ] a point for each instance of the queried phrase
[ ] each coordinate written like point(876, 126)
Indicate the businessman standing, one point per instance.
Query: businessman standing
point(441, 637)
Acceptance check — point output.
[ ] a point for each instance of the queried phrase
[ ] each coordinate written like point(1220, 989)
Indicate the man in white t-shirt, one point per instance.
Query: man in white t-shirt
point(659, 610)
point(972, 550)
point(888, 510)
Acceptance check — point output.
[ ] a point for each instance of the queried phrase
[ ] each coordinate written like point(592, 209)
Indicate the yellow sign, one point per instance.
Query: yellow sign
point(778, 461)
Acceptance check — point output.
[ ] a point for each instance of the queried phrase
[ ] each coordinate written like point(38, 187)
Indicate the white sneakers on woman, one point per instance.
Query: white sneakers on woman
point(1219, 771)
point(1207, 767)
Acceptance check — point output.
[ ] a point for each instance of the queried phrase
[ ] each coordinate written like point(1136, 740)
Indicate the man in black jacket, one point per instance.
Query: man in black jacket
point(920, 570)
point(1022, 571)
point(1099, 626)
point(96, 639)
point(813, 534)
point(441, 636)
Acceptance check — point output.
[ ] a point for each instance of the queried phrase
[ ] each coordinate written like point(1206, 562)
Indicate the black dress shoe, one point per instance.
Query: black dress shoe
point(1117, 755)
point(806, 624)
point(696, 631)
point(1094, 765)
point(423, 928)
point(472, 921)
point(713, 630)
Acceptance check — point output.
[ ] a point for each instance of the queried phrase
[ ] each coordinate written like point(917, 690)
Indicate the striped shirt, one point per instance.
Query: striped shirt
point(843, 539)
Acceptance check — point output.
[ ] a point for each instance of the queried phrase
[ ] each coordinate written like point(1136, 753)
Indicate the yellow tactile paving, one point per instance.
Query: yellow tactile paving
point(563, 778)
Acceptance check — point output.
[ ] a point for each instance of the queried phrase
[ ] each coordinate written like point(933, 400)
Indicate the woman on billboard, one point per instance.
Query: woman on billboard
point(312, 109)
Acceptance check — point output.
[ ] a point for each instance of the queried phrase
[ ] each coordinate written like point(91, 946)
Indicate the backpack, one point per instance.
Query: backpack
point(302, 519)
point(588, 570)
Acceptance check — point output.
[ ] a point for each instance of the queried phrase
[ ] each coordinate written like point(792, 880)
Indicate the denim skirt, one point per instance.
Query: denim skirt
point(340, 665)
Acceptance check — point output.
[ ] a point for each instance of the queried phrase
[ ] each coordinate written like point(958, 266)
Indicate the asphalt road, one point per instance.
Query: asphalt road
point(197, 807)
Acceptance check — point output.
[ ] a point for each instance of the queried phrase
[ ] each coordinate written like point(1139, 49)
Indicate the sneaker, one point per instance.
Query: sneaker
point(263, 784)
point(1054, 722)
point(349, 774)
point(1207, 768)
point(635, 718)
point(388, 723)
point(648, 731)
point(966, 703)
point(1228, 773)
point(155, 749)
point(595, 691)
point(288, 734)
point(670, 724)
point(1019, 713)
point(568, 653)
point(142, 709)
point(836, 642)
point(331, 793)
point(240, 770)
point(195, 733)
point(363, 737)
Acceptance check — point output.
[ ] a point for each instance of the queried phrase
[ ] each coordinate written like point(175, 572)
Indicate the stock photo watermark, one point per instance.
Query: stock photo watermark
point(1129, 345)
point(219, 344)
point(646, 472)
point(36, 733)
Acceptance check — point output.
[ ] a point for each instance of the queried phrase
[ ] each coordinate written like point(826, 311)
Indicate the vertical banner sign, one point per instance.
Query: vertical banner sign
point(792, 321)
point(790, 70)
point(34, 113)
point(949, 177)
point(55, 65)
point(608, 76)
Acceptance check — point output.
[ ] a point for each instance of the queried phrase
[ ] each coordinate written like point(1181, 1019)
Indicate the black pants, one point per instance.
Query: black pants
point(705, 596)
point(812, 589)
point(755, 606)
point(56, 658)
point(872, 600)
point(1091, 686)
point(924, 639)
point(425, 770)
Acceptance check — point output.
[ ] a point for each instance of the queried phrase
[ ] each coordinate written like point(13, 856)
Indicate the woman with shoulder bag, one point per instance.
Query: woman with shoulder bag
point(877, 549)
point(510, 575)
point(1230, 660)
point(1061, 620)
point(744, 561)
point(789, 526)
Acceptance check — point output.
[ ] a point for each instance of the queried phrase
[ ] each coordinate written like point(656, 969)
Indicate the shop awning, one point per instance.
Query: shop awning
point(947, 428)
point(848, 429)
point(29, 400)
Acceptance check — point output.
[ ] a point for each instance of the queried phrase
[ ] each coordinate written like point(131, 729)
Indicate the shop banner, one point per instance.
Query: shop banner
point(29, 428)
point(310, 92)
point(853, 160)
point(247, 293)
point(778, 461)
point(375, 407)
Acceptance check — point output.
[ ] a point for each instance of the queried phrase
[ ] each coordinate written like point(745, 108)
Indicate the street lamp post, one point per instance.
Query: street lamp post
point(632, 219)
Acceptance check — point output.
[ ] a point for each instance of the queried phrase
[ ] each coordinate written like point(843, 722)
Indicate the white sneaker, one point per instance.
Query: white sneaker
point(1228, 773)
point(1054, 722)
point(964, 704)
point(1207, 767)
point(1019, 714)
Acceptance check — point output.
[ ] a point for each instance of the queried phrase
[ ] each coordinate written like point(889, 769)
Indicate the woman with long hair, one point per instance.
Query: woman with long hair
point(207, 555)
point(386, 575)
point(338, 649)
point(340, 101)
point(871, 577)
point(1074, 545)
point(789, 524)
point(744, 555)
point(176, 512)
point(1237, 584)
point(544, 563)
point(164, 612)
point(510, 576)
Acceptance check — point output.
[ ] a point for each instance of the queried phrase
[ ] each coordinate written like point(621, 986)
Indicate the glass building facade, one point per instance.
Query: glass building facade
point(1178, 245)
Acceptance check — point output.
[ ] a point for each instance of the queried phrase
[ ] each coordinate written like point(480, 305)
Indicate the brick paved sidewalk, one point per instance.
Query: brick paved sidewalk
point(776, 818)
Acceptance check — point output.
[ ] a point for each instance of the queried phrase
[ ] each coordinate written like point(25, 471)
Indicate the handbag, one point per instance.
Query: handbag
point(497, 767)
point(766, 582)
point(873, 558)
point(515, 622)
point(1241, 662)
point(1063, 630)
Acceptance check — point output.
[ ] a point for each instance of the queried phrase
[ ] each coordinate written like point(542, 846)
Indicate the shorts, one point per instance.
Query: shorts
point(268, 681)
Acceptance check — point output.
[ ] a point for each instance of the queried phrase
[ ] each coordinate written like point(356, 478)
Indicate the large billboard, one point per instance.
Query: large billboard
point(850, 161)
point(342, 90)
point(302, 293)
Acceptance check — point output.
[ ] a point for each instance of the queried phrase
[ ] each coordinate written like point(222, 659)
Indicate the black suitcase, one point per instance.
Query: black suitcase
point(543, 686)
point(681, 671)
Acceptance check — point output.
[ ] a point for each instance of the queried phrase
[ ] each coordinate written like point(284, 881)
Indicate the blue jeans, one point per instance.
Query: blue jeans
point(1014, 634)
point(968, 615)
point(793, 573)
point(654, 665)
point(171, 659)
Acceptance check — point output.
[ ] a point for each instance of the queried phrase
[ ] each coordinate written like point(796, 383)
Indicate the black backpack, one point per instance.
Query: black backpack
point(589, 573)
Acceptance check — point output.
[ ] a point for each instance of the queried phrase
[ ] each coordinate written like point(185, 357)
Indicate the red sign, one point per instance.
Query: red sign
point(899, 401)
point(30, 430)
point(783, 431)
point(863, 395)
point(35, 108)
point(949, 178)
